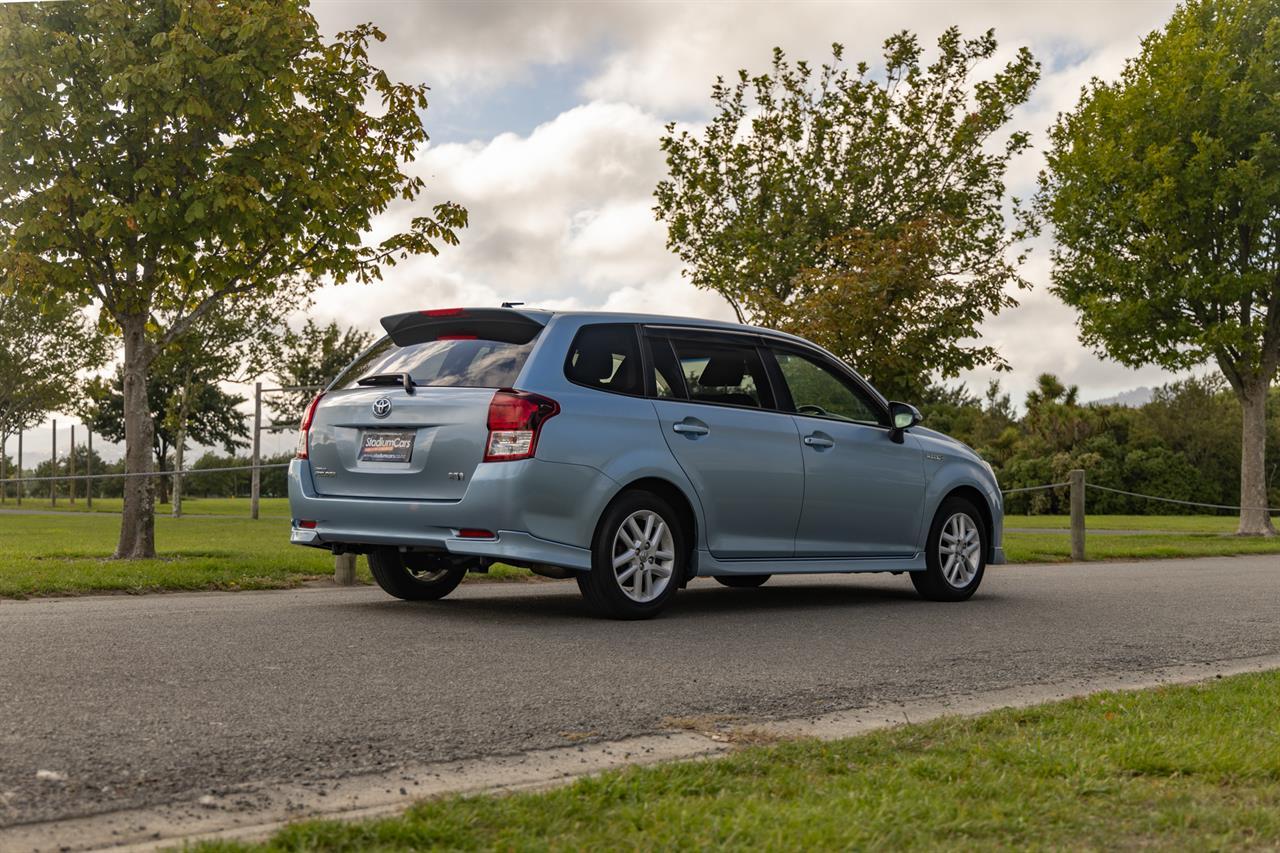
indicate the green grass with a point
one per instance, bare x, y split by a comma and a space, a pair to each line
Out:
220, 548
1179, 523
1193, 767
1056, 548
65, 554
267, 507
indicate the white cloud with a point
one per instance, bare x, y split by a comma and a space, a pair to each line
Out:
560, 218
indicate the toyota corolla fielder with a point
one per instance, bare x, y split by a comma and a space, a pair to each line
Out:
631, 453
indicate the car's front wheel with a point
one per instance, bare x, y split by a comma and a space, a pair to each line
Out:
415, 576
637, 559
955, 553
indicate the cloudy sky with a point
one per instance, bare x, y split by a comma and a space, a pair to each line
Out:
545, 119
545, 122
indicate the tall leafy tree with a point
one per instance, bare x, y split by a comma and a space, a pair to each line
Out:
864, 210
166, 158
1163, 190
42, 349
310, 357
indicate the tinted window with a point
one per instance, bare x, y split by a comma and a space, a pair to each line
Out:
816, 389
666, 370
723, 372
607, 357
461, 362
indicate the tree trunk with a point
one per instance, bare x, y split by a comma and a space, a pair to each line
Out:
1255, 520
138, 521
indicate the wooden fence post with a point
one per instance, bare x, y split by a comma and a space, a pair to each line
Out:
1077, 514
88, 470
53, 466
344, 569
255, 477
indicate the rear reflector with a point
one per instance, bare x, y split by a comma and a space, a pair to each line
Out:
475, 533
307, 524
515, 418
307, 417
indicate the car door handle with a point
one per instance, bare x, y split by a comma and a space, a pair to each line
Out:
819, 441
689, 428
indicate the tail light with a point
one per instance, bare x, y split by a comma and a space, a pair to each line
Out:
515, 417
308, 415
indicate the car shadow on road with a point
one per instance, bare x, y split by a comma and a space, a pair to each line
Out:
700, 600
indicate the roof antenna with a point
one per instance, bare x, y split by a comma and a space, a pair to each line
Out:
511, 304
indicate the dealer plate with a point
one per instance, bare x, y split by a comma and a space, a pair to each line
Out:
386, 445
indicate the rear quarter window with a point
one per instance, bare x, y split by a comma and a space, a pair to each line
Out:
606, 356
472, 363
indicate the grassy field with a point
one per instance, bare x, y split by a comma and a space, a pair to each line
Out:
1188, 768
62, 554
217, 547
1179, 523
267, 507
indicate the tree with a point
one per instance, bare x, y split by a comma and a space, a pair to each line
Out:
862, 210
208, 415
1163, 190
167, 159
42, 348
311, 357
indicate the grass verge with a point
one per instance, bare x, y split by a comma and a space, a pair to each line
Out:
218, 548
1056, 548
67, 554
1191, 767
1178, 523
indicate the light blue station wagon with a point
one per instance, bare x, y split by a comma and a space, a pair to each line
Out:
632, 453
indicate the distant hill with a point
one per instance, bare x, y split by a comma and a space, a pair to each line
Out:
1132, 399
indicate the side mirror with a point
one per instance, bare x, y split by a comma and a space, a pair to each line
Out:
904, 417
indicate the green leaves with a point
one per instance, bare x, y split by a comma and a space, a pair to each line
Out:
1163, 190
168, 156
806, 182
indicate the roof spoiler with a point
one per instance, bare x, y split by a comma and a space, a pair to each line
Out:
490, 324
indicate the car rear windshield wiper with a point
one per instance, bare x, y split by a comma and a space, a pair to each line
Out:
403, 379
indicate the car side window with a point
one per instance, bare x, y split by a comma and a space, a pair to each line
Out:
817, 390
667, 382
606, 356
723, 372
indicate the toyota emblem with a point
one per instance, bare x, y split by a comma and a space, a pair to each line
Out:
381, 407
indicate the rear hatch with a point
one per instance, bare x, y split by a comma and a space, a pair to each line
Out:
408, 419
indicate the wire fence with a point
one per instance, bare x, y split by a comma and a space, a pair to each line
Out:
1141, 496
115, 475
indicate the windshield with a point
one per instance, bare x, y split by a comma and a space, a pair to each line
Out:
469, 363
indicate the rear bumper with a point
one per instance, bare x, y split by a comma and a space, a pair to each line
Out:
997, 556
540, 512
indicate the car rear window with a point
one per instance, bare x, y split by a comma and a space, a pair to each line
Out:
471, 363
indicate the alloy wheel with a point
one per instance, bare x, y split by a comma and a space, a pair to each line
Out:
644, 555
959, 548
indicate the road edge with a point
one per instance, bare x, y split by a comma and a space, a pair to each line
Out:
253, 812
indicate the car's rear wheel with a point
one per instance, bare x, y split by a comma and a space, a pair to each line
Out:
415, 576
743, 581
955, 553
637, 559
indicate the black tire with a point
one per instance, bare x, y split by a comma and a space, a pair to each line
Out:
415, 576
934, 583
602, 588
742, 581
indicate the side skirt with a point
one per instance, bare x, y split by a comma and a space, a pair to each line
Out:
709, 566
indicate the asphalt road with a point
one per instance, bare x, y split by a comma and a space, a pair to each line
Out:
145, 700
